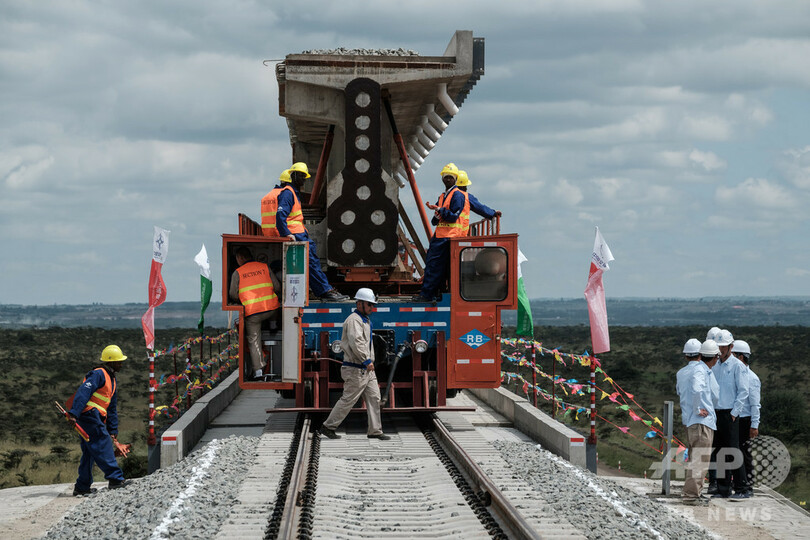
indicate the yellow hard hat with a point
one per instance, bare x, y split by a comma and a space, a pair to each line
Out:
463, 179
112, 353
285, 176
450, 170
299, 167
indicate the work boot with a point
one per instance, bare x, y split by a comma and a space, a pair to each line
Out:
712, 488
381, 436
326, 432
118, 484
333, 295
83, 493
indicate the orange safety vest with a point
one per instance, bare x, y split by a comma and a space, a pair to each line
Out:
103, 395
295, 219
461, 227
256, 288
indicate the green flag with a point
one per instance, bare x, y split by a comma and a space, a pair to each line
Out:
525, 326
205, 285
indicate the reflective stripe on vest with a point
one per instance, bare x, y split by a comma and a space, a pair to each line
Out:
295, 219
256, 288
461, 226
103, 395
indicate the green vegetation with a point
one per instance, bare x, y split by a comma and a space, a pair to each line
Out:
644, 360
41, 366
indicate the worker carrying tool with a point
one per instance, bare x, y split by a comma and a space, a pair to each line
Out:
255, 286
452, 219
357, 371
94, 408
282, 217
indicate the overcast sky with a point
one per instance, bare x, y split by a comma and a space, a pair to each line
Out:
681, 129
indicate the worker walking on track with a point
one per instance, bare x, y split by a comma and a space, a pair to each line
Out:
357, 370
94, 407
452, 220
255, 286
282, 217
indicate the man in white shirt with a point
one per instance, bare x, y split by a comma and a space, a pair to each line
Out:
691, 352
698, 394
749, 417
732, 377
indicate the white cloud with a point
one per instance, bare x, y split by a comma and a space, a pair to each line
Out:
756, 193
708, 160
567, 193
795, 166
797, 272
707, 128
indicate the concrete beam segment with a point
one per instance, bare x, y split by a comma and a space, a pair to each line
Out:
551, 434
178, 441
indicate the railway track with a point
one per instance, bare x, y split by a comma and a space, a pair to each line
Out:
420, 483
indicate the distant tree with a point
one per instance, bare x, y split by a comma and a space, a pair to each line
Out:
785, 416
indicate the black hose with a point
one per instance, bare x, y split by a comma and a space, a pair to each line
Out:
400, 353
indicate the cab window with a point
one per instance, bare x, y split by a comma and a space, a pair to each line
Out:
483, 274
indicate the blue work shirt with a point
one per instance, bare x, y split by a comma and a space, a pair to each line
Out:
450, 215
286, 200
93, 381
700, 391
752, 405
681, 378
733, 380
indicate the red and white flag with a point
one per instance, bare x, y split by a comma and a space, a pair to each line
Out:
157, 289
595, 295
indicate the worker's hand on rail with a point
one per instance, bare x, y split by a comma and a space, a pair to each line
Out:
498, 213
291, 237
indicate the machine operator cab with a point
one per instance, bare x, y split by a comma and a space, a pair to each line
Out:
269, 321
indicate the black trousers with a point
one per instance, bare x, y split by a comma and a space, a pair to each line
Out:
728, 437
748, 460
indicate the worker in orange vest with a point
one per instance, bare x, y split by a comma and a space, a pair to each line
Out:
94, 407
255, 286
282, 217
452, 220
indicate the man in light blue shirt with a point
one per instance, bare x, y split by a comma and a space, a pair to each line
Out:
749, 417
691, 352
732, 376
699, 393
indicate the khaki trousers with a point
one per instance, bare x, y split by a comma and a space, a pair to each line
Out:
253, 333
356, 383
699, 438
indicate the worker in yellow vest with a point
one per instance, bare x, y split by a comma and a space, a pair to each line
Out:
282, 217
255, 286
452, 220
94, 407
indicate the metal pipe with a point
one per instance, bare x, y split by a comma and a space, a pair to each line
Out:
327, 149
435, 119
400, 353
429, 130
403, 156
446, 100
424, 139
418, 147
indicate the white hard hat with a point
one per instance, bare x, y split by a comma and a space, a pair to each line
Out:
712, 333
365, 294
724, 338
741, 346
709, 348
692, 347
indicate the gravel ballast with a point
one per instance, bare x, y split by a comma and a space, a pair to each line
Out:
191, 499
600, 508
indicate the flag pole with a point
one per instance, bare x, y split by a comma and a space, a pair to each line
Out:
151, 440
534, 371
592, 438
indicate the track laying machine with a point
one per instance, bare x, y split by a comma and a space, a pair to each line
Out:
365, 120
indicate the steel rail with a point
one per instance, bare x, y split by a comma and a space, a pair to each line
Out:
288, 528
510, 516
